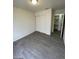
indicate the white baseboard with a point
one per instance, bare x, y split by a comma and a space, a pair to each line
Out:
21, 36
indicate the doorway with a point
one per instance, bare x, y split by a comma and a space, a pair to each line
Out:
57, 25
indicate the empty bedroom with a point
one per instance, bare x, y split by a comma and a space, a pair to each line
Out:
38, 29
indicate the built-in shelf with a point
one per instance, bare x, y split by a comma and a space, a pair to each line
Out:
56, 21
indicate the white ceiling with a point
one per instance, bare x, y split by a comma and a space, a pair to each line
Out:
42, 4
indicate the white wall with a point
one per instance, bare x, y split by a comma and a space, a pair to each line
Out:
23, 23
43, 21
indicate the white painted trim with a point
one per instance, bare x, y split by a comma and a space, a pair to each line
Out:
23, 36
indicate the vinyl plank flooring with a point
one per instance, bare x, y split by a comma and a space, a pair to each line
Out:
39, 46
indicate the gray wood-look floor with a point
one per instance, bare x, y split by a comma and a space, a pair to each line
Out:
39, 46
